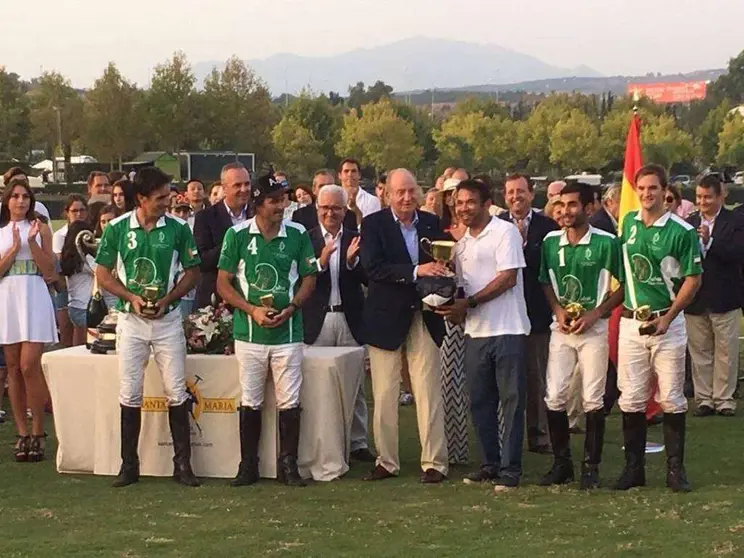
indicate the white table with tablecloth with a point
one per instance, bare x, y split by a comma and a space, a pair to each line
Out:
85, 387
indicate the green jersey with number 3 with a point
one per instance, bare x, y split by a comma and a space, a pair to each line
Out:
657, 259
146, 259
267, 268
582, 273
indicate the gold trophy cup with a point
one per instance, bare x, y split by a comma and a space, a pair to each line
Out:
440, 250
267, 301
150, 295
574, 310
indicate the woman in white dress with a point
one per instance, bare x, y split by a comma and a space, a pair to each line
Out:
27, 317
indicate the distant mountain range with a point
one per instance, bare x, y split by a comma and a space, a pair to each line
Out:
410, 64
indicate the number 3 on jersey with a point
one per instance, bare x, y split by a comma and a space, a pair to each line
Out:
252, 248
131, 240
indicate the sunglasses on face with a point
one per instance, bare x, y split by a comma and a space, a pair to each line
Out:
670, 199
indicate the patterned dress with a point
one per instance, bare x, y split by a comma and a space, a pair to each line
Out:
454, 393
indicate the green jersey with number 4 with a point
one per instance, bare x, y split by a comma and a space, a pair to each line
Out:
267, 268
146, 259
582, 273
657, 259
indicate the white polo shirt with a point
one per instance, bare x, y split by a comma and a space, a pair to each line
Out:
367, 203
478, 260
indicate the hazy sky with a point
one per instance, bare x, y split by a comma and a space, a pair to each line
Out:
79, 37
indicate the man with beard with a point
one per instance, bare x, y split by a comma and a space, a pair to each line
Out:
271, 261
489, 262
578, 264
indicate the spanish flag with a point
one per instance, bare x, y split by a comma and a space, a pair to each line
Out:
628, 202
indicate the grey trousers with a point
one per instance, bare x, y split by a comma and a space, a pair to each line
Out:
536, 367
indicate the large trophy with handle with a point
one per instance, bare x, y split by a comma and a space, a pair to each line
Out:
438, 291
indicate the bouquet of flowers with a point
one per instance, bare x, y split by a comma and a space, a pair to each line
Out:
209, 331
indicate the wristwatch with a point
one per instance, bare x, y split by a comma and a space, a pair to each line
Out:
472, 303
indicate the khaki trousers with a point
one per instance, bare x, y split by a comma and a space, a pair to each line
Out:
713, 340
424, 365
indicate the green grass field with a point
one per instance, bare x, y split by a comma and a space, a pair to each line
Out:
46, 514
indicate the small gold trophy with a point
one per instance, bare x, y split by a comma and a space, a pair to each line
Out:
267, 301
643, 314
150, 294
440, 250
574, 310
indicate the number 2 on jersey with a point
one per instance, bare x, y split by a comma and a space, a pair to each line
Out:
633, 233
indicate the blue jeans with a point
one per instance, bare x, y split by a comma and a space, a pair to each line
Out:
495, 371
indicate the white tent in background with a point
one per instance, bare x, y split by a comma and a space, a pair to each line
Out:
48, 165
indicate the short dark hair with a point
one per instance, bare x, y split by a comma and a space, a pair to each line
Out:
95, 174
486, 179
349, 160
520, 176
148, 180
586, 192
713, 181
652, 170
382, 179
476, 186
196, 180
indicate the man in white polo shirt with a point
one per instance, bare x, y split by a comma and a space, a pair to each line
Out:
489, 260
361, 203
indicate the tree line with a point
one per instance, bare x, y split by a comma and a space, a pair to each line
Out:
233, 110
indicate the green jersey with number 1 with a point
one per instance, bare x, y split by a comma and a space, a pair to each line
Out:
657, 259
267, 268
582, 273
146, 259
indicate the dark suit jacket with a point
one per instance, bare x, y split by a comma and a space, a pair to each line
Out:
210, 226
723, 285
602, 221
392, 298
308, 217
538, 309
349, 283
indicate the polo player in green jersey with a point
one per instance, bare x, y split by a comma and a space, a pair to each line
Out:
661, 273
266, 272
577, 267
146, 247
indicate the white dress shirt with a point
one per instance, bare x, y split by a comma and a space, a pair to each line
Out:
240, 218
333, 264
709, 223
367, 203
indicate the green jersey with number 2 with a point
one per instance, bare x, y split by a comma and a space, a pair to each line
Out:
656, 259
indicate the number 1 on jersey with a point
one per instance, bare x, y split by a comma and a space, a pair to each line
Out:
561, 257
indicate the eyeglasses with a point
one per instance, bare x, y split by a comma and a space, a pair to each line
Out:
327, 208
670, 199
81, 210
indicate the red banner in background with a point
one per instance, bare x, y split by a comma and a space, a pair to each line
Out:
680, 92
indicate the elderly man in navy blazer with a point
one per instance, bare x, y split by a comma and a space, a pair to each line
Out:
393, 318
332, 316
714, 316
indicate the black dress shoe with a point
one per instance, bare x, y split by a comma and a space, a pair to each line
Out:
378, 473
364, 455
727, 413
432, 476
703, 411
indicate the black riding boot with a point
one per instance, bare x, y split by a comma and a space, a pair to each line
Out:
674, 440
250, 433
131, 421
593, 442
289, 440
634, 433
178, 417
562, 470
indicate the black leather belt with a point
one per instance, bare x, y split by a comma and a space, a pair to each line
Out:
337, 308
627, 313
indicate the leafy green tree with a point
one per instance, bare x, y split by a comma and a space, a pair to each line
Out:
321, 118
665, 144
487, 107
535, 140
731, 141
731, 84
172, 105
710, 129
15, 123
297, 151
379, 138
359, 97
574, 143
238, 112
113, 127
423, 127
53, 99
